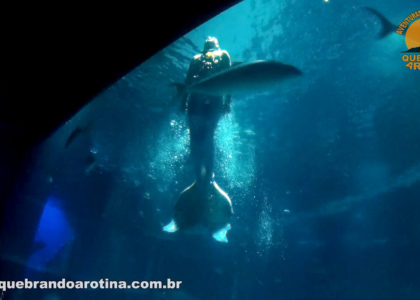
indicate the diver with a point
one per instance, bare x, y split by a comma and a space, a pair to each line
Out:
204, 202
204, 111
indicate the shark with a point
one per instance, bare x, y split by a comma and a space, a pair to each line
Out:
242, 79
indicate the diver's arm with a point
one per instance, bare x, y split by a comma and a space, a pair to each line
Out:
226, 63
188, 80
193, 69
226, 105
184, 101
190, 73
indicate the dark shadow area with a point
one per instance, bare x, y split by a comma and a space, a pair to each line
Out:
54, 60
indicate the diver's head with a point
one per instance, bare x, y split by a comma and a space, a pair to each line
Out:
211, 44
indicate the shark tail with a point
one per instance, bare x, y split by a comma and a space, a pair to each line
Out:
387, 26
208, 206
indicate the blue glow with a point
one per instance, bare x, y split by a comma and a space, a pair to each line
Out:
171, 227
53, 233
220, 235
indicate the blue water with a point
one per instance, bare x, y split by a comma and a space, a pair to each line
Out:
323, 173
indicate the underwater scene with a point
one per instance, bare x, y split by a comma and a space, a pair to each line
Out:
311, 167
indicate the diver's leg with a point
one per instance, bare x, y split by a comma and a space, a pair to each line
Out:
203, 202
202, 145
207, 152
196, 136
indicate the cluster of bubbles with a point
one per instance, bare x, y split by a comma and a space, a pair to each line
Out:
169, 153
265, 228
235, 154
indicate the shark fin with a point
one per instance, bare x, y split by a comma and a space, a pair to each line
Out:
170, 227
220, 235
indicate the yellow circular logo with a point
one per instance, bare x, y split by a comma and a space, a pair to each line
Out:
412, 36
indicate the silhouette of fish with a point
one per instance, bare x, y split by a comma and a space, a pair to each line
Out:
75, 134
387, 26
